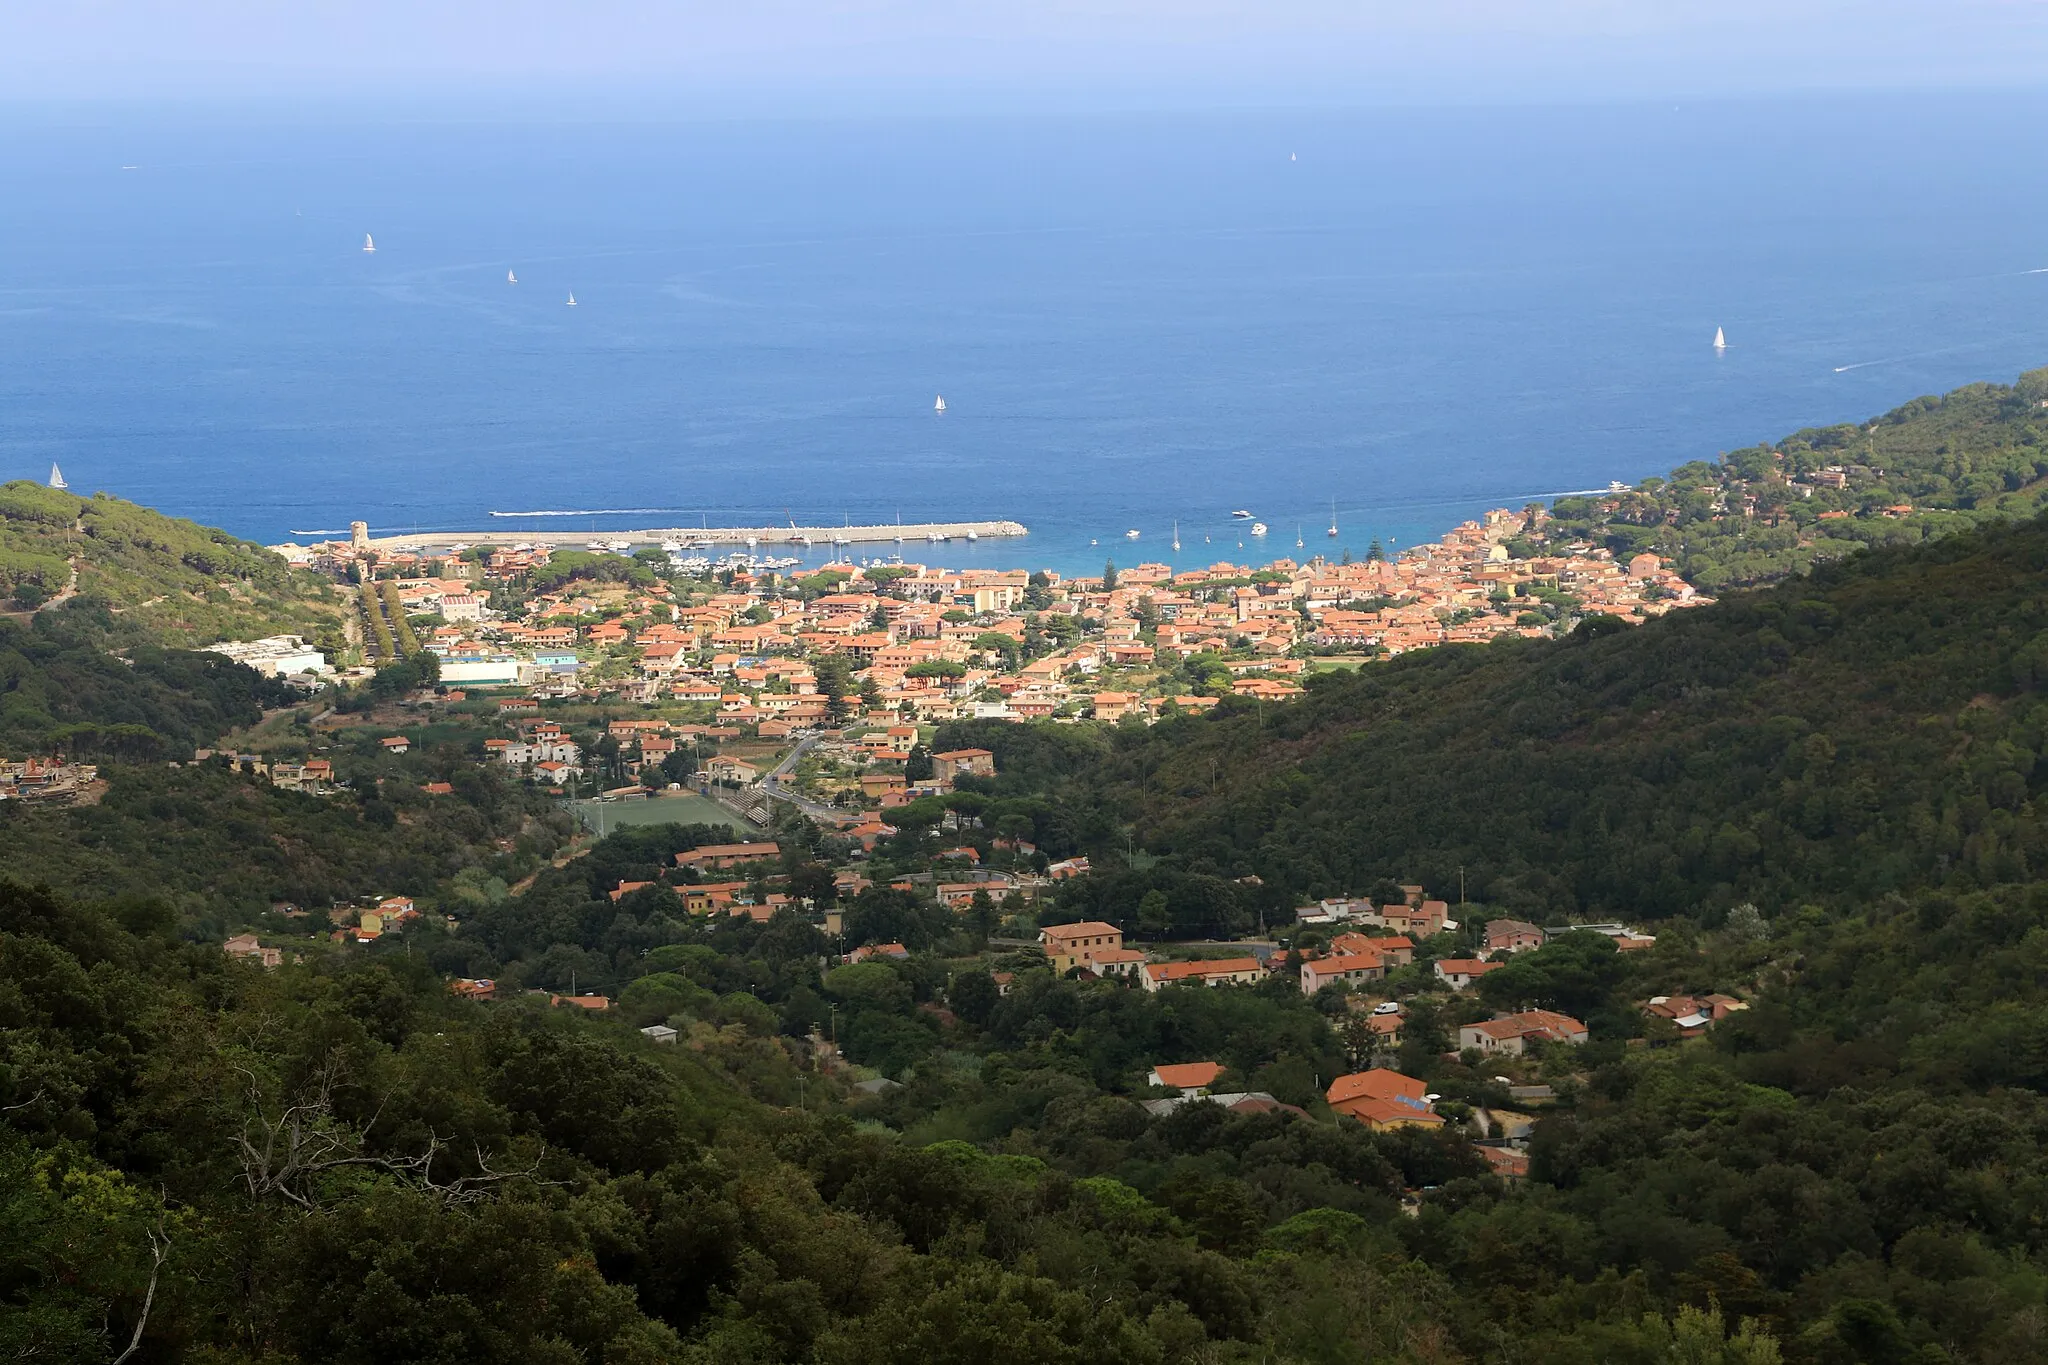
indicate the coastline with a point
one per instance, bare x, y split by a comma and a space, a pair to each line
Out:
928, 532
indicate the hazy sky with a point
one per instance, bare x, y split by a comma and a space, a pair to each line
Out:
1009, 52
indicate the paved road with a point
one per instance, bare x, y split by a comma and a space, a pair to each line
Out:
772, 784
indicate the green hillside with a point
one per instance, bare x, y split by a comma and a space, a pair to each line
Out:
1928, 468
163, 580
1873, 728
1819, 796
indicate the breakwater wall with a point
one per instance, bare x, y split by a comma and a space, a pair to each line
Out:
734, 536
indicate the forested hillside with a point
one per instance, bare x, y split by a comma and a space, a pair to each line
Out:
1871, 729
1820, 797
1929, 468
63, 689
164, 581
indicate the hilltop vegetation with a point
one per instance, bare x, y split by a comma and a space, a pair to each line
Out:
1931, 467
165, 581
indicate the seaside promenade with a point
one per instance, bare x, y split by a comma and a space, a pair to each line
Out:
907, 532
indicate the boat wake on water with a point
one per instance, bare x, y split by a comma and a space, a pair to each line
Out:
598, 512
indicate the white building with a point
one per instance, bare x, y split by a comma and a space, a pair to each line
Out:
280, 655
497, 669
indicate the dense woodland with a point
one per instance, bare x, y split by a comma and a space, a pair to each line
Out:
1819, 796
1871, 729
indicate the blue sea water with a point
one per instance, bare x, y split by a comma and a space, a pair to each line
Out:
1135, 319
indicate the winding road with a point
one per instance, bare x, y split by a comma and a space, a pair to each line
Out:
772, 784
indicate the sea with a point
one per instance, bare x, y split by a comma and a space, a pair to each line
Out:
1381, 320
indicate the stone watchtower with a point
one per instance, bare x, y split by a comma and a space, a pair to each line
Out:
359, 535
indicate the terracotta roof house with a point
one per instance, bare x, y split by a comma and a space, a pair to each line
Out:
1185, 1075
1228, 971
1379, 1083
1511, 936
1506, 1163
1693, 1014
1397, 950
958, 763
1073, 945
1341, 967
1510, 1035
1383, 1100
1460, 972
721, 856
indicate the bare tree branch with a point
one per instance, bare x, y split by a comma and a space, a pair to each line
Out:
282, 1155
159, 1247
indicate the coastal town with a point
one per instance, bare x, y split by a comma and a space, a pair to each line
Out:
929, 644
805, 712
830, 733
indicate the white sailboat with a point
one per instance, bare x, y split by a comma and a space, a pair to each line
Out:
511, 278
369, 242
939, 405
572, 298
1720, 340
1176, 537
57, 477
1333, 517
1298, 541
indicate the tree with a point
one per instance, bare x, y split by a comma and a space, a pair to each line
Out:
1109, 576
1574, 973
973, 996
679, 764
1007, 647
982, 916
835, 682
1154, 920
812, 881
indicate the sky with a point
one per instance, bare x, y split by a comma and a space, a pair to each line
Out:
751, 55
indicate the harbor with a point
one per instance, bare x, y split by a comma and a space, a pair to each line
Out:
699, 537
